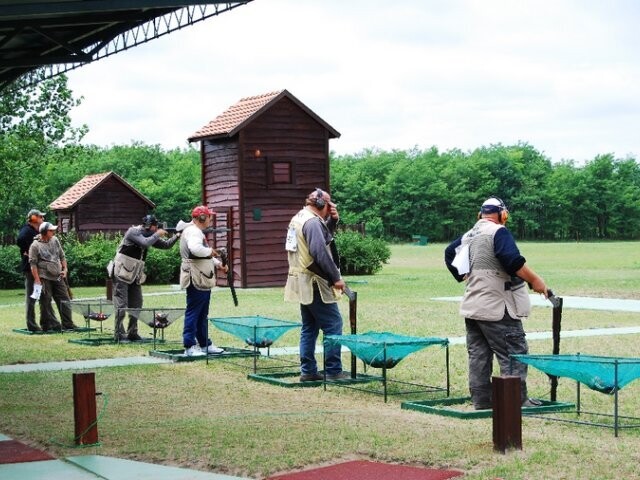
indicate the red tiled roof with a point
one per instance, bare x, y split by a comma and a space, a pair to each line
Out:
85, 185
237, 116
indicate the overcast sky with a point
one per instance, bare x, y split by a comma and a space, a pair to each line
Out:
562, 75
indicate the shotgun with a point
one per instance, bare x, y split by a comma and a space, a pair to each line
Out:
224, 258
555, 331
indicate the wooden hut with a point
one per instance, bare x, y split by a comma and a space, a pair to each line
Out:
260, 159
103, 202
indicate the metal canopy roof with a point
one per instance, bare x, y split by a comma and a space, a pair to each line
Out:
60, 35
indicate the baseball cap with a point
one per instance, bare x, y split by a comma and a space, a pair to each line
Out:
47, 226
35, 212
492, 205
201, 210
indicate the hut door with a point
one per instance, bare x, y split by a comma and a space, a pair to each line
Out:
222, 237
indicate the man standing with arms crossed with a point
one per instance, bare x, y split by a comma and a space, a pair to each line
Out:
49, 270
313, 280
495, 299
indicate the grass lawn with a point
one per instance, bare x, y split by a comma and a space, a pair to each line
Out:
210, 417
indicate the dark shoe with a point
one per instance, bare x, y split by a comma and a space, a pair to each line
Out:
73, 326
121, 339
34, 329
311, 377
339, 376
532, 402
55, 328
134, 337
483, 406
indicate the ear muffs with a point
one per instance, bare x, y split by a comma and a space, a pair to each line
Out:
33, 218
319, 200
504, 215
202, 218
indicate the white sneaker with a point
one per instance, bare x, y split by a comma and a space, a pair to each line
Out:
212, 349
194, 351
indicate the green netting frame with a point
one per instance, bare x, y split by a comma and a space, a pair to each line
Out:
96, 310
383, 349
159, 318
602, 374
256, 331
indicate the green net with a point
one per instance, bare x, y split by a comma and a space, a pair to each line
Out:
97, 310
603, 374
383, 349
254, 330
155, 317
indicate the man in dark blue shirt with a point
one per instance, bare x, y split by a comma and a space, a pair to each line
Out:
25, 238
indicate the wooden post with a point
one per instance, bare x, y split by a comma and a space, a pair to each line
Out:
109, 289
84, 408
353, 323
507, 413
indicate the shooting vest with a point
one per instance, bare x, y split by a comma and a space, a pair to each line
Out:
490, 289
128, 264
199, 271
300, 280
47, 257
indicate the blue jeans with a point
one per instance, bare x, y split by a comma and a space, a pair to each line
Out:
315, 317
196, 318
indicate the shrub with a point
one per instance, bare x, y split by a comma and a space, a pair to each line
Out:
163, 266
10, 275
88, 260
361, 255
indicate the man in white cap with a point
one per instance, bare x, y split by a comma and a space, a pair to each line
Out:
49, 269
495, 299
25, 238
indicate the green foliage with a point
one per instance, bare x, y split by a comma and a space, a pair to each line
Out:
361, 255
438, 194
10, 275
34, 124
163, 266
88, 260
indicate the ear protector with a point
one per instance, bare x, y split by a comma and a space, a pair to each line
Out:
319, 200
33, 218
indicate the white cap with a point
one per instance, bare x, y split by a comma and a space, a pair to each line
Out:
492, 205
47, 226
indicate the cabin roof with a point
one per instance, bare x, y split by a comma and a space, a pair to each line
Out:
247, 109
70, 198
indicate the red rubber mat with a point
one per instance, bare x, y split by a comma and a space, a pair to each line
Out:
12, 451
364, 470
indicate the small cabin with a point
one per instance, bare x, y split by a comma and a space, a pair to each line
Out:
260, 159
103, 202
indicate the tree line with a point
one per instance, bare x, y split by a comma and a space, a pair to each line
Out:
398, 193
438, 194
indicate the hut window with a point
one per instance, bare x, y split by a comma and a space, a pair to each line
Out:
281, 173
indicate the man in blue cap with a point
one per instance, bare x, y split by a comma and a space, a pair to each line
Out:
25, 238
495, 300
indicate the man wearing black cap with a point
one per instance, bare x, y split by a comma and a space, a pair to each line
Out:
49, 269
25, 238
128, 272
495, 299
